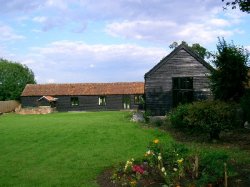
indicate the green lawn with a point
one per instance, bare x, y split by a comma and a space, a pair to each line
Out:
67, 149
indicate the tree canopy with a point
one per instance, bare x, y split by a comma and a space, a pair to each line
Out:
13, 78
244, 5
200, 50
229, 78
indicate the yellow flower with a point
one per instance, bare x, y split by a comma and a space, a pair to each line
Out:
156, 141
128, 164
180, 160
133, 183
148, 153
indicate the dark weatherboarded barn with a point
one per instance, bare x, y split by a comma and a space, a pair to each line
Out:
84, 96
180, 77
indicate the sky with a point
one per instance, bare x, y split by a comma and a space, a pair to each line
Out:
78, 41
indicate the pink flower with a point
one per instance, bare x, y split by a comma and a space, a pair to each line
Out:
138, 169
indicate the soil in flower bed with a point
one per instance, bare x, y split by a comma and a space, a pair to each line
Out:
104, 180
243, 181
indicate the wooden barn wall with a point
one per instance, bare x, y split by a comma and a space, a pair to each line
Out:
86, 103
30, 101
158, 85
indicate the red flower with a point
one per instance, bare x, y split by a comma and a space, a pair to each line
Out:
138, 169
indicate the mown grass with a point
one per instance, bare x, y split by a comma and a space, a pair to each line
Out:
67, 149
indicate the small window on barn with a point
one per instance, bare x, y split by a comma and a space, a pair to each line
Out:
183, 83
102, 100
126, 101
74, 101
138, 99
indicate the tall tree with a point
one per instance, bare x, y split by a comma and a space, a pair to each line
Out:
200, 50
244, 5
13, 78
230, 75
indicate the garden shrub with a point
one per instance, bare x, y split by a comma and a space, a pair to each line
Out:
206, 116
177, 116
147, 115
245, 103
212, 168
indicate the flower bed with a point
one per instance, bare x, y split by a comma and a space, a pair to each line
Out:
173, 166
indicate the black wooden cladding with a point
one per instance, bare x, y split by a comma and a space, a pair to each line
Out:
182, 62
85, 103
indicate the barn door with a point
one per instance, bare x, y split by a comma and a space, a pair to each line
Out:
126, 102
182, 90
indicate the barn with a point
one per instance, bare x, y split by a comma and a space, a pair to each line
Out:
84, 96
180, 77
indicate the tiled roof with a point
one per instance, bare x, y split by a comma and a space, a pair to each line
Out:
84, 89
48, 98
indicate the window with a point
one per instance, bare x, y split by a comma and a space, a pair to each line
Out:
102, 100
182, 90
138, 99
183, 83
74, 101
126, 101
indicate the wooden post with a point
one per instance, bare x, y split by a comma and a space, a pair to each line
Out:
225, 170
196, 165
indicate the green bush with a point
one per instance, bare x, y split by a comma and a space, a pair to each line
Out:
207, 116
146, 116
177, 116
245, 103
212, 168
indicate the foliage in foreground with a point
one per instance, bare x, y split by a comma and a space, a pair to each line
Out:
205, 116
245, 104
13, 79
172, 166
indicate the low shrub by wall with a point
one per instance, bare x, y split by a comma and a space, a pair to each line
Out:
8, 106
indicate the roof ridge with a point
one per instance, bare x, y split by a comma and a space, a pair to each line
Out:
87, 83
118, 88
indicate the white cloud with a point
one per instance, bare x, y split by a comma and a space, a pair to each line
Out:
168, 31
19, 5
202, 33
61, 13
218, 22
61, 4
50, 80
67, 61
36, 30
141, 29
40, 19
8, 34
